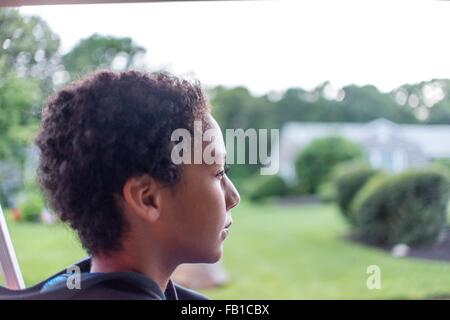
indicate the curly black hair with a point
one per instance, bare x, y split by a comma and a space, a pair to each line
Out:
103, 129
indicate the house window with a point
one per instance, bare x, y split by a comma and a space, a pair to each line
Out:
387, 160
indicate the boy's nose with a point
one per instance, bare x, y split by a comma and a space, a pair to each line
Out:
232, 196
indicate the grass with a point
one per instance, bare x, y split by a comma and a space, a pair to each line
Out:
42, 249
272, 253
300, 253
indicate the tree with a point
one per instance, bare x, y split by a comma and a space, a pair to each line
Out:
98, 52
428, 100
237, 108
354, 104
28, 52
28, 58
316, 161
28, 47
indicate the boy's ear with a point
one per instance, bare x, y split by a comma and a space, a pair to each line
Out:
142, 197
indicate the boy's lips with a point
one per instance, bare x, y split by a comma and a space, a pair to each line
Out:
225, 230
228, 224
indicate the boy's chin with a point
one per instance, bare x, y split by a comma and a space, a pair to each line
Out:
211, 257
202, 254
217, 256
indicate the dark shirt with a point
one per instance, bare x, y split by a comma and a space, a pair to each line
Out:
102, 286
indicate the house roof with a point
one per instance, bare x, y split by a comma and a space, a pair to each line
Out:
434, 140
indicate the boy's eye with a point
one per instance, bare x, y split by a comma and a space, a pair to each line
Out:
223, 172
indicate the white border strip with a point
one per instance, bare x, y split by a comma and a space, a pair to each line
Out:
8, 260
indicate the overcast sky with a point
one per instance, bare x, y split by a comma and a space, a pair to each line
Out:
272, 45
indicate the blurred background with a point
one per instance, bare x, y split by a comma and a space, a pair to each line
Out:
359, 90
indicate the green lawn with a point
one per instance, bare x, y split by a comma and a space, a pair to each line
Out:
272, 253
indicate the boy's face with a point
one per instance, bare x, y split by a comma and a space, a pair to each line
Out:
197, 211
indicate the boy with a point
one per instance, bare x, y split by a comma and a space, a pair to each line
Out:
106, 169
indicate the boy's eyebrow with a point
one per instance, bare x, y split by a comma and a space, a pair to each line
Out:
221, 152
222, 156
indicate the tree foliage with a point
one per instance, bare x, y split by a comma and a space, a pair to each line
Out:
317, 160
98, 52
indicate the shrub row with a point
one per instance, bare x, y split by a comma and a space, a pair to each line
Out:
409, 208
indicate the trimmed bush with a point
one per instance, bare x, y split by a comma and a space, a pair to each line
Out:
327, 192
409, 208
442, 164
347, 184
440, 167
267, 186
315, 163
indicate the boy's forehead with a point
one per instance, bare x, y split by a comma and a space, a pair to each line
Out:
214, 142
212, 137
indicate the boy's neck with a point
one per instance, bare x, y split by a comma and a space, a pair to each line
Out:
121, 262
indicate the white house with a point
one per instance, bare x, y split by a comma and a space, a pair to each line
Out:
388, 146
